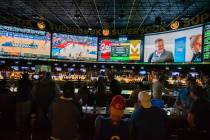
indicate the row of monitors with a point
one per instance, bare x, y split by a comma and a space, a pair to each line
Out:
186, 45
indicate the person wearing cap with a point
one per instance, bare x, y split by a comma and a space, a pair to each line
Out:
148, 122
113, 127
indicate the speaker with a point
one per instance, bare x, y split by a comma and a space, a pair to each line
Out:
158, 20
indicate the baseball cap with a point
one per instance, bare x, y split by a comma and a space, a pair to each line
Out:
145, 99
118, 105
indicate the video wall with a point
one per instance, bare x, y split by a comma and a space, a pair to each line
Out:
120, 50
206, 48
25, 43
74, 47
178, 46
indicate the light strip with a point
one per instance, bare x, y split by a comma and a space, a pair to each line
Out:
98, 13
130, 13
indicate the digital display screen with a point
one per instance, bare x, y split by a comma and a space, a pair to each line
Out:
70, 69
142, 72
127, 92
24, 43
15, 68
194, 74
25, 68
42, 68
83, 70
175, 73
206, 48
36, 77
58, 68
120, 50
74, 47
177, 46
33, 68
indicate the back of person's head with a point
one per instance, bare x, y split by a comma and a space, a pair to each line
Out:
196, 91
48, 75
144, 98
3, 83
191, 81
117, 107
68, 90
25, 76
134, 96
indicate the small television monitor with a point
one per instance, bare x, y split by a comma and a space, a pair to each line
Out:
58, 69
194, 74
36, 77
70, 69
142, 72
15, 68
42, 68
76, 90
25, 68
175, 73
83, 70
33, 68
127, 92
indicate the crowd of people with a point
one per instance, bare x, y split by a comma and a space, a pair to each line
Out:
63, 110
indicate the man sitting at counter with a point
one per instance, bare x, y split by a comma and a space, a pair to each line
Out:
149, 122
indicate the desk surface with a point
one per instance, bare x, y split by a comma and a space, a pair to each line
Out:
171, 112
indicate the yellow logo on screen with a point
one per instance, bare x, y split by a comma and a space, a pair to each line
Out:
135, 49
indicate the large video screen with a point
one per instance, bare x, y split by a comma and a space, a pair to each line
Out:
120, 50
74, 47
24, 43
206, 48
178, 46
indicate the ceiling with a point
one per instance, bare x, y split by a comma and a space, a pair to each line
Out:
102, 13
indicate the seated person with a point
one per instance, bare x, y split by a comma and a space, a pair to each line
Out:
66, 115
149, 123
199, 115
114, 127
133, 99
183, 100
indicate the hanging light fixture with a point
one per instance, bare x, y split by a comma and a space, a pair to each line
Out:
106, 32
41, 25
175, 25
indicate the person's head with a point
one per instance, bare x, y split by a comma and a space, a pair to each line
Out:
144, 98
25, 76
117, 108
47, 75
134, 96
191, 81
68, 90
3, 84
196, 43
196, 92
159, 45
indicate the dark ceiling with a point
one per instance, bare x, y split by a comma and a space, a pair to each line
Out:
101, 13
